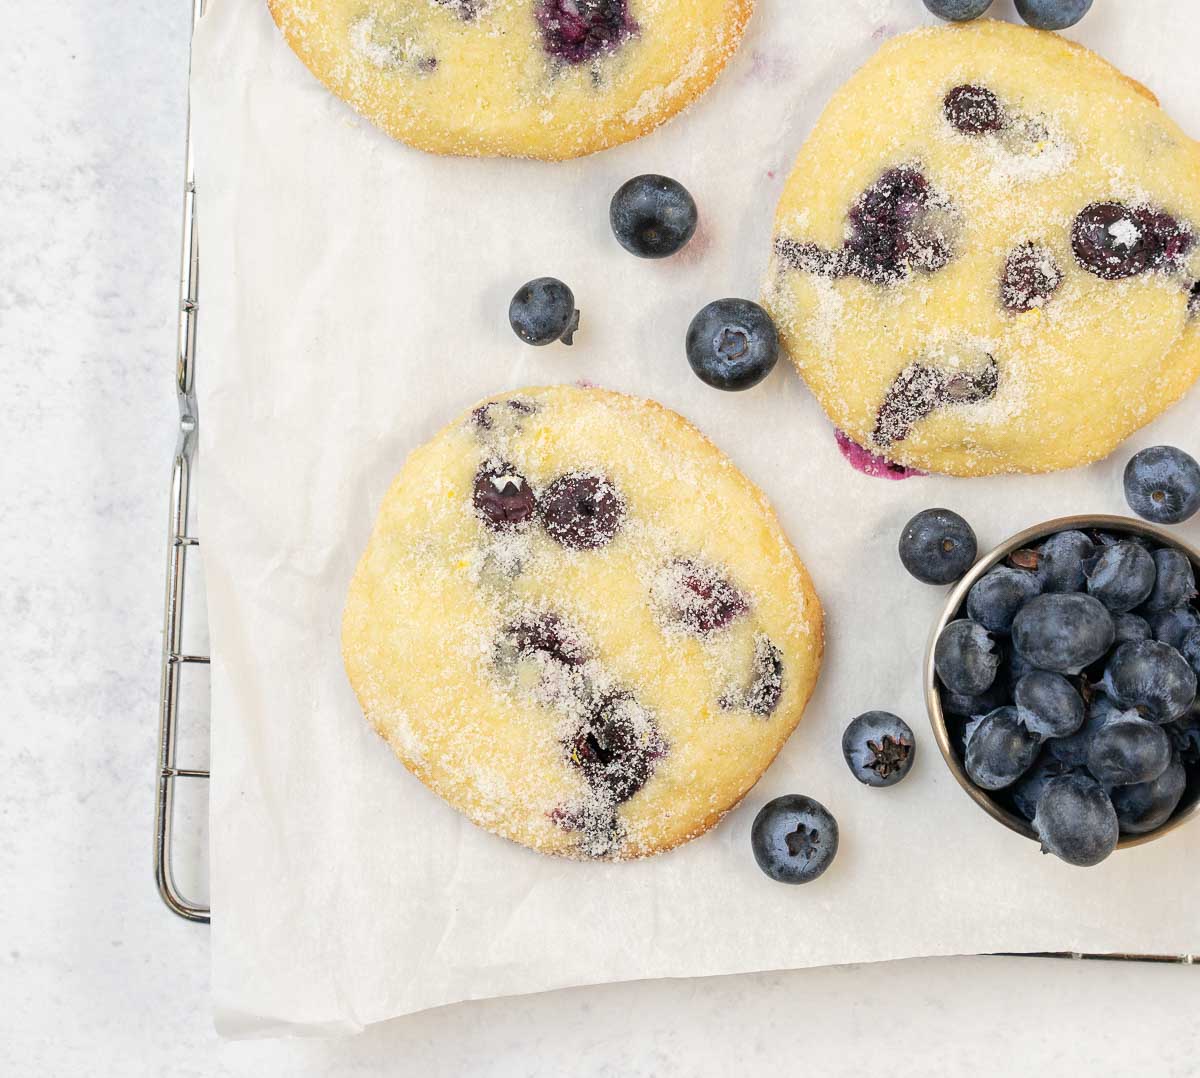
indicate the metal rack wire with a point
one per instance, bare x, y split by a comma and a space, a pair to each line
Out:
180, 543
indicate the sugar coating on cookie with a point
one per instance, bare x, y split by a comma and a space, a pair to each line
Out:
985, 259
580, 624
548, 79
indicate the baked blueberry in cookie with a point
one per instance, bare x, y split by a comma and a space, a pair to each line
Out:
1115, 241
975, 275
541, 635
897, 225
567, 639
698, 597
501, 496
582, 511
577, 31
919, 390
548, 79
1031, 277
973, 110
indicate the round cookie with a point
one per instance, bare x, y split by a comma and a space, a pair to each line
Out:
549, 79
580, 624
985, 259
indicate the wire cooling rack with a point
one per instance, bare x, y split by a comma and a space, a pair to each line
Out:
180, 543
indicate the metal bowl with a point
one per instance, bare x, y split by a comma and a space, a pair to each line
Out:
1189, 807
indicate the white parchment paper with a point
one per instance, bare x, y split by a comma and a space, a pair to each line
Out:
354, 299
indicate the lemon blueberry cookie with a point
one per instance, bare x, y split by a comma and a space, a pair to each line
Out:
985, 259
580, 624
548, 79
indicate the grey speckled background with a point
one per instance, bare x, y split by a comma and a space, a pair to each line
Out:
95, 976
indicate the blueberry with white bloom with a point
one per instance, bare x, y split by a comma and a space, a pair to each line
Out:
1146, 806
1000, 748
1122, 577
1129, 750
1174, 581
1061, 561
1076, 820
1162, 484
1152, 677
995, 598
937, 546
1063, 632
1130, 627
965, 658
958, 10
1171, 626
1054, 707
1052, 14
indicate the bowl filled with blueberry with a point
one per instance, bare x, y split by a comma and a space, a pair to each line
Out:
1061, 677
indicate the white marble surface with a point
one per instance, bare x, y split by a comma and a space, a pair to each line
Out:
95, 976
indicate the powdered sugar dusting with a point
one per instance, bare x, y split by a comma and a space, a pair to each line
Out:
983, 190
529, 78
589, 698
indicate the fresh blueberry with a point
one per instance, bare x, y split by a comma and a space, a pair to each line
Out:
1072, 752
1129, 750
1162, 484
879, 748
1064, 633
501, 496
965, 658
1054, 708
1052, 14
1130, 627
1107, 539
653, 216
958, 10
794, 839
1189, 648
937, 546
995, 598
1076, 820
617, 748
1016, 666
1172, 626
1146, 806
582, 511
1031, 277
971, 707
579, 31
1000, 748
1174, 583
1185, 736
1028, 788
1152, 677
1122, 577
973, 110
732, 344
543, 311
1061, 561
